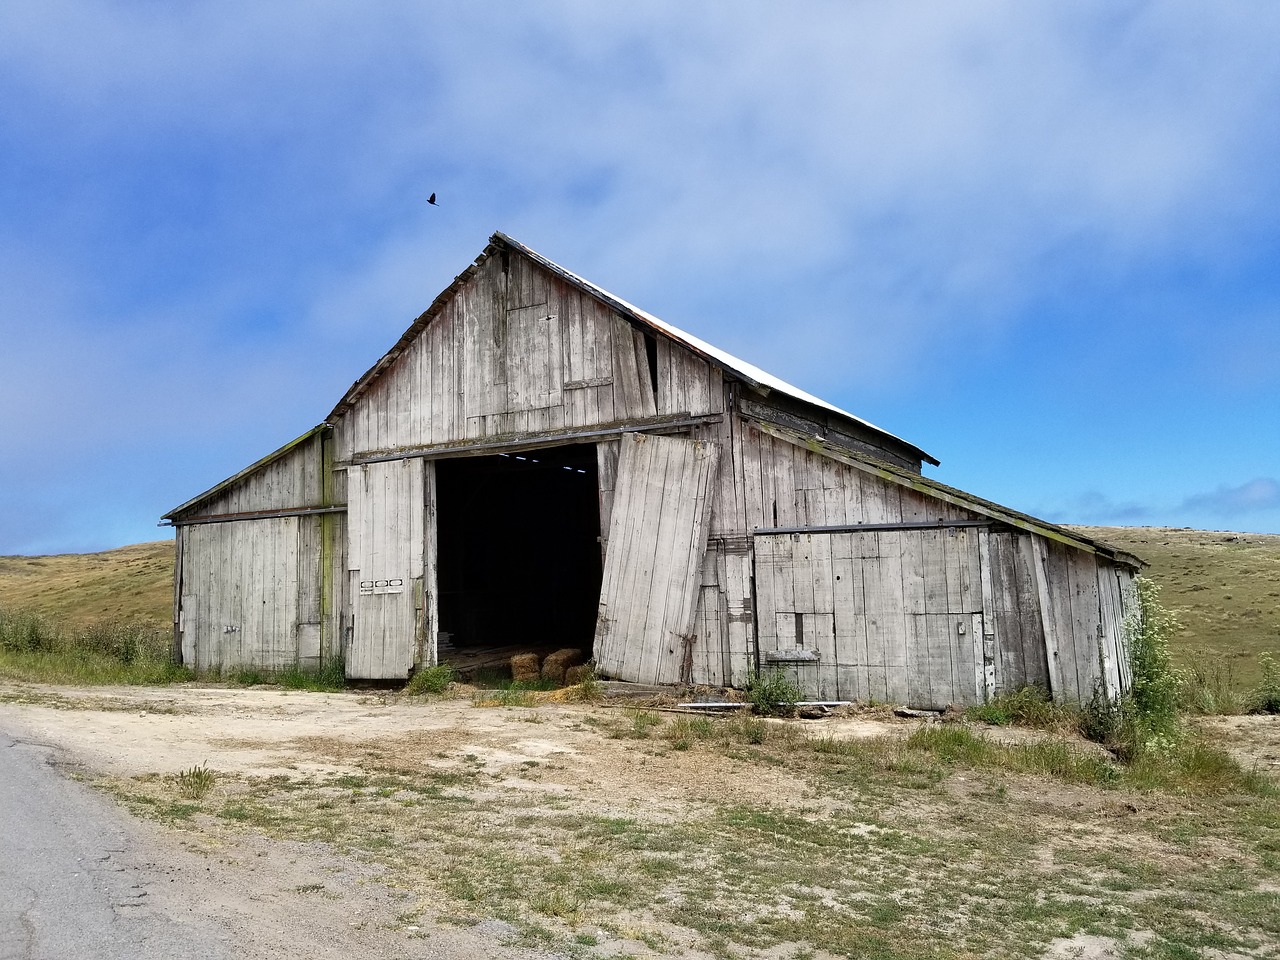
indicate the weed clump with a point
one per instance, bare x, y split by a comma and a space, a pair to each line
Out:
430, 680
1026, 707
196, 782
686, 730
1147, 719
1209, 688
772, 695
1266, 697
587, 690
330, 678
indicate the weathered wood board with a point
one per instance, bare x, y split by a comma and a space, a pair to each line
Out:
386, 514
657, 538
240, 594
519, 351
887, 615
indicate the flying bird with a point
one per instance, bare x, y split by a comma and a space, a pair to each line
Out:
432, 200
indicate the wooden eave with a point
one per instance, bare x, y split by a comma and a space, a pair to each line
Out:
960, 498
362, 385
254, 467
634, 316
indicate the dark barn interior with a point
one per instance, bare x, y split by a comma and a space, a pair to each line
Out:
518, 553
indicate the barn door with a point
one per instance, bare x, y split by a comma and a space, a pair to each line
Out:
891, 615
386, 512
657, 535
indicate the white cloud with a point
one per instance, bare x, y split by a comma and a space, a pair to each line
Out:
1246, 500
835, 192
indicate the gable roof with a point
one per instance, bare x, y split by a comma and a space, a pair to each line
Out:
748, 373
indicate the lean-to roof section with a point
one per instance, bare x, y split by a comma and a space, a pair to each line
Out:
747, 372
253, 468
940, 491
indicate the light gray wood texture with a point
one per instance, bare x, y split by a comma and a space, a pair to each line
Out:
386, 515
657, 537
891, 616
515, 353
292, 477
245, 601
518, 351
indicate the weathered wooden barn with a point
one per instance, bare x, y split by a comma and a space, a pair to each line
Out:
537, 463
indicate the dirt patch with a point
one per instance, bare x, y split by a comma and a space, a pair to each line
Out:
1254, 741
584, 751
612, 829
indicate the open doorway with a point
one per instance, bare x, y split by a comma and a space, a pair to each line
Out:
518, 554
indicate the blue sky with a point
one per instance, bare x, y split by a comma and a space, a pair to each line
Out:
1041, 241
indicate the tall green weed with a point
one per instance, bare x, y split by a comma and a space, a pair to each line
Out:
1266, 697
38, 649
772, 695
1147, 718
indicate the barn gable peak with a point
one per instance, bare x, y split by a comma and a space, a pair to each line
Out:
753, 376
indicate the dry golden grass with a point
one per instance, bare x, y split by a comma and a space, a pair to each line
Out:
1224, 588
130, 584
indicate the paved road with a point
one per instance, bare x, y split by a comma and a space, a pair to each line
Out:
74, 882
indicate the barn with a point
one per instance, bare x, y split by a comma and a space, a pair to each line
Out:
538, 464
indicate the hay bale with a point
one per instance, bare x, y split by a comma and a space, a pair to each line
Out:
575, 675
525, 667
557, 663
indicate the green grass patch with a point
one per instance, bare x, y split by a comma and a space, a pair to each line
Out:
331, 677
1027, 707
195, 782
430, 680
36, 649
772, 694
1265, 698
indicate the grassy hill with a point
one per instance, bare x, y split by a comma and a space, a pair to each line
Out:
1224, 587
130, 584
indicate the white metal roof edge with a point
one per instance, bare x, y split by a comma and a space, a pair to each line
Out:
747, 371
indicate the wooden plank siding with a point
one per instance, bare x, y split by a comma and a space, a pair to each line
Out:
247, 589
657, 539
386, 518
924, 617
292, 480
886, 615
518, 351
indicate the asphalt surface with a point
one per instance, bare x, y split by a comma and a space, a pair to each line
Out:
75, 879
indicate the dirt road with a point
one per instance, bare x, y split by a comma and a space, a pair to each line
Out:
217, 893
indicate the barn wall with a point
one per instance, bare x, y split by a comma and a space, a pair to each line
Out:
767, 482
251, 594
294, 479
926, 617
519, 351
1086, 600
1012, 604
261, 593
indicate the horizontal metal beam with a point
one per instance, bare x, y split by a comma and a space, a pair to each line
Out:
253, 515
441, 451
873, 527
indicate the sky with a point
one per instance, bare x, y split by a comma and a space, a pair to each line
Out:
1039, 240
